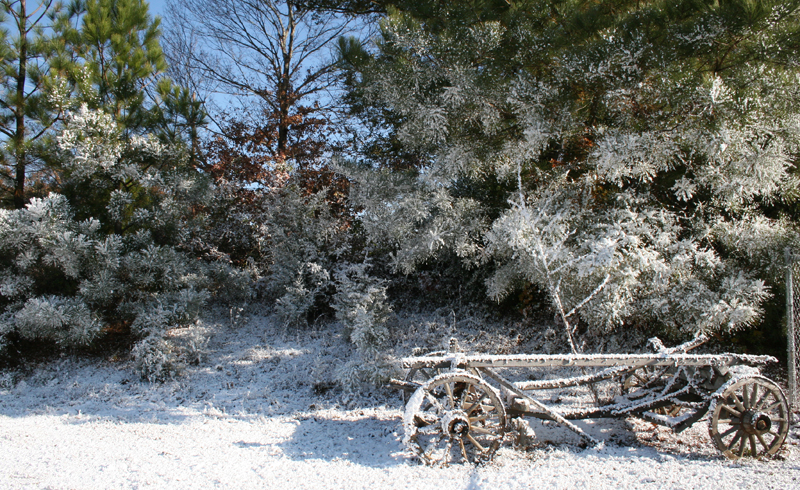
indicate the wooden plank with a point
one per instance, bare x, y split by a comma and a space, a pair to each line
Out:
585, 360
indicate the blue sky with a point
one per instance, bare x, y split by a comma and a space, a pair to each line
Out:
157, 7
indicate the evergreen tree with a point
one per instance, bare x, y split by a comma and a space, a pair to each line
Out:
118, 66
26, 48
624, 157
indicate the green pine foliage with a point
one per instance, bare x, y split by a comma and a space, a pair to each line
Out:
28, 108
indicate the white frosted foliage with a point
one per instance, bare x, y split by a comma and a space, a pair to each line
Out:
66, 281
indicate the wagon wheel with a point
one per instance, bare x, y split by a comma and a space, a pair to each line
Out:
751, 418
420, 375
646, 377
455, 417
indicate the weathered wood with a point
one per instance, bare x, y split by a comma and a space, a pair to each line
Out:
548, 384
552, 415
678, 391
585, 360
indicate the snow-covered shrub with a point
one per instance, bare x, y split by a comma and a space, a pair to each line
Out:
195, 348
615, 264
65, 281
299, 241
66, 275
361, 306
299, 298
154, 358
363, 373
608, 171
65, 320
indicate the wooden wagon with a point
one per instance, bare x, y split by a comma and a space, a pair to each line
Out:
462, 409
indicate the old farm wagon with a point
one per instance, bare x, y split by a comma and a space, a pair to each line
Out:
462, 407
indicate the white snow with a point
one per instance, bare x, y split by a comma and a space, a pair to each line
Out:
256, 414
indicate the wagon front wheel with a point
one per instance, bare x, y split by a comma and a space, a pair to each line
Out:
751, 418
454, 417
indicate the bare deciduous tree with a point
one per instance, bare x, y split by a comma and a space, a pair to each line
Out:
274, 50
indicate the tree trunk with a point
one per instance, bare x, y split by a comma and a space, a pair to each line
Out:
19, 111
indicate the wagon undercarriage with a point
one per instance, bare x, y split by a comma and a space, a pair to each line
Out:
462, 408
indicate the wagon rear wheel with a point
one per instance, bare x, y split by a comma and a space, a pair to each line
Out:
455, 417
751, 418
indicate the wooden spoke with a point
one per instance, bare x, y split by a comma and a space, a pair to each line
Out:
742, 446
449, 390
476, 405
463, 450
734, 441
447, 456
430, 429
481, 430
436, 403
465, 395
760, 404
739, 405
731, 410
774, 406
762, 441
476, 443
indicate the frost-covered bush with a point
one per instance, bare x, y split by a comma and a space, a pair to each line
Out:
154, 358
363, 373
65, 275
299, 241
301, 296
622, 169
622, 263
361, 306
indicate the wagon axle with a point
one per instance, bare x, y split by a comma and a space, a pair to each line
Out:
456, 423
756, 422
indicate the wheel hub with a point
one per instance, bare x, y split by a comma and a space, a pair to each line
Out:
756, 422
455, 424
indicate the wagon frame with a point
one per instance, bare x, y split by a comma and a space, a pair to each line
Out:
462, 409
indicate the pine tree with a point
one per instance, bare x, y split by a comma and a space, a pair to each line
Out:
118, 66
646, 132
26, 114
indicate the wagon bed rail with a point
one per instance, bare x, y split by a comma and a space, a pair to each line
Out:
583, 360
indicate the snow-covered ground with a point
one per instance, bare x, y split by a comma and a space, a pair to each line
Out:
259, 412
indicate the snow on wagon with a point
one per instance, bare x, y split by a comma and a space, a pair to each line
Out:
461, 408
